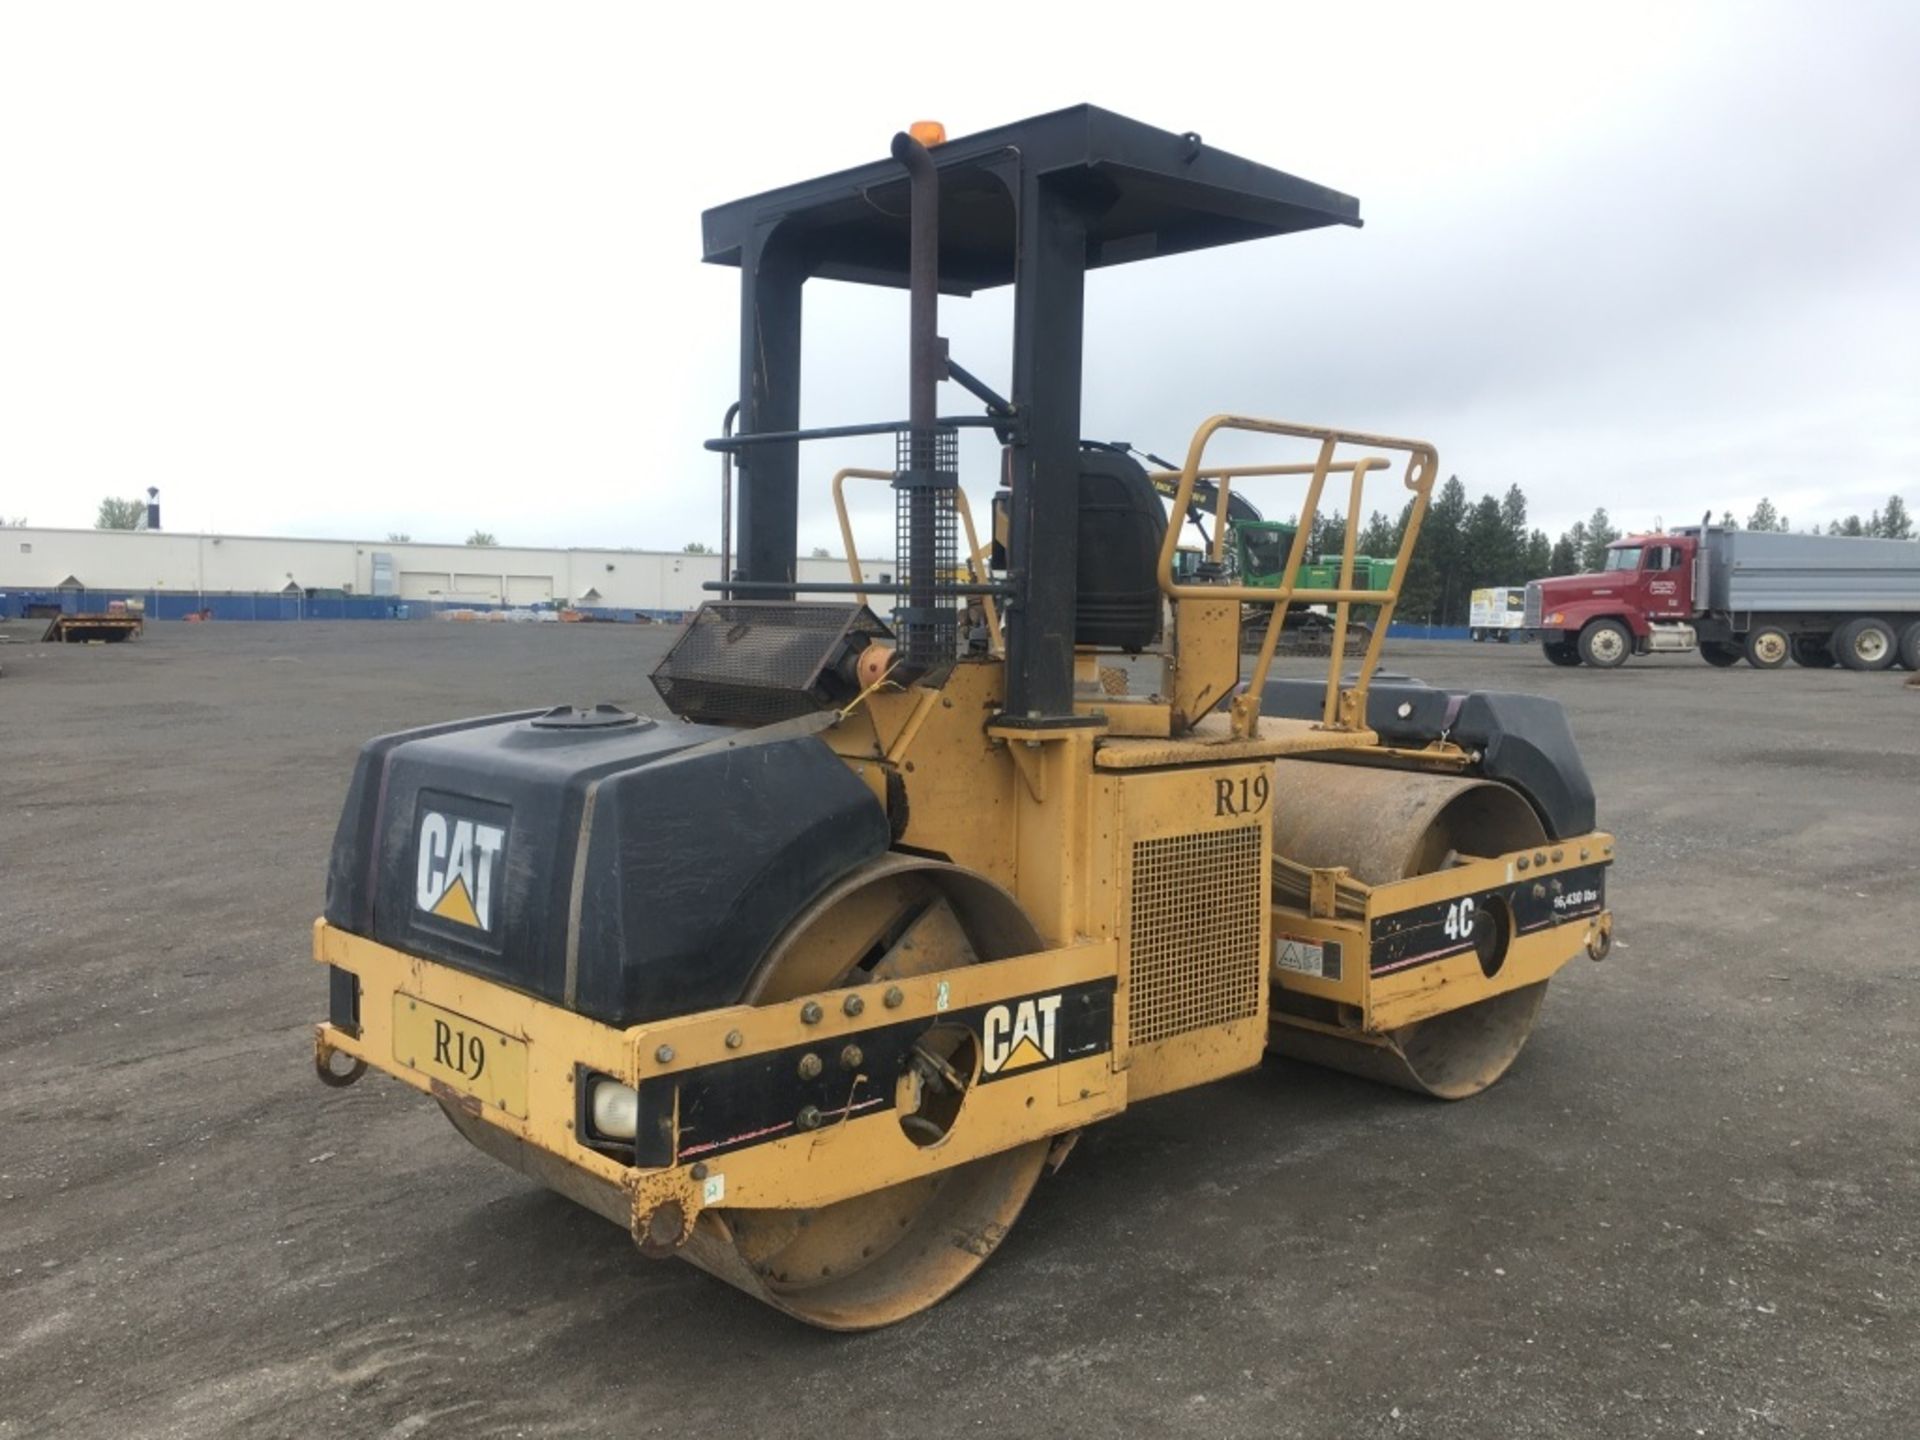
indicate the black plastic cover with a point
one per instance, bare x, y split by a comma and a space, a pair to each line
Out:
1523, 740
754, 662
1122, 522
629, 872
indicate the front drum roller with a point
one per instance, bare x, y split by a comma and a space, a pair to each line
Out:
1387, 825
876, 1258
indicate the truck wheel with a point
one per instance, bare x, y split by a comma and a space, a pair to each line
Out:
1719, 655
1606, 644
1865, 644
1910, 646
1812, 651
1767, 647
1560, 652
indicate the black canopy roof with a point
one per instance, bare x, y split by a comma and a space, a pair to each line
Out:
1146, 192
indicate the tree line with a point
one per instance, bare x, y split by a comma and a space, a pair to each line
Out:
1466, 545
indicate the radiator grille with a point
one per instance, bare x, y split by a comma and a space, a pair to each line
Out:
1196, 932
1530, 614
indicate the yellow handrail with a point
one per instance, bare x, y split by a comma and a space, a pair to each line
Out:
976, 553
1345, 706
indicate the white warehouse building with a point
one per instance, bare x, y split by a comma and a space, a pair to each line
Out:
145, 561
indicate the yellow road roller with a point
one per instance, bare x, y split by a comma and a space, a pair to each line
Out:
808, 978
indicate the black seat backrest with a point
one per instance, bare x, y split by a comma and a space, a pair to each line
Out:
1122, 524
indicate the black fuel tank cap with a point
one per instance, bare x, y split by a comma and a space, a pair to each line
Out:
600, 717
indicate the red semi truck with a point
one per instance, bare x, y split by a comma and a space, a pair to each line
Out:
1760, 596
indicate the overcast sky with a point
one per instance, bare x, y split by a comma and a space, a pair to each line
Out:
346, 269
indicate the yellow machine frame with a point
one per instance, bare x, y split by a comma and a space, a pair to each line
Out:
1139, 843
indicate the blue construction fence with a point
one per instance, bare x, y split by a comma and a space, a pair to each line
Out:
1414, 630
268, 605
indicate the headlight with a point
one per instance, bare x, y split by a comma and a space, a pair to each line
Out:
615, 1109
1555, 618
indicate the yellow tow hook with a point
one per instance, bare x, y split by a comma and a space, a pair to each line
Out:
323, 1054
1600, 938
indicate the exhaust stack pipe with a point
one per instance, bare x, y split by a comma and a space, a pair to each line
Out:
1702, 558
926, 352
927, 457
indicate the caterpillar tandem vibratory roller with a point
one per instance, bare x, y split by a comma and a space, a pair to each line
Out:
810, 981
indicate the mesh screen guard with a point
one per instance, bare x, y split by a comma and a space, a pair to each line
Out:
926, 475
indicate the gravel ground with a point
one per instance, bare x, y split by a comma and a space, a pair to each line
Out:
1690, 1210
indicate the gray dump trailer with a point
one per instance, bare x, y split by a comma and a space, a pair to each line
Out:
1763, 597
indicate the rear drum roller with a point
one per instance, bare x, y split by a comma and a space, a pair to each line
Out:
1387, 825
880, 1257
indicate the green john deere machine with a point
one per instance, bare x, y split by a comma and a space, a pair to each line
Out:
1260, 552
1257, 556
